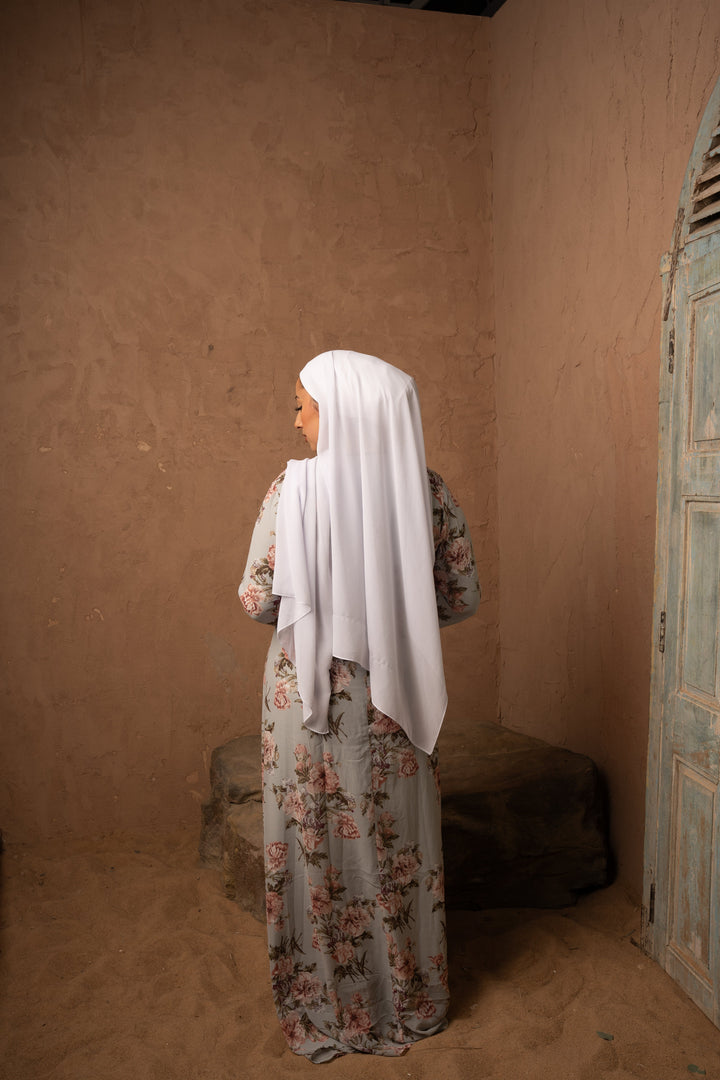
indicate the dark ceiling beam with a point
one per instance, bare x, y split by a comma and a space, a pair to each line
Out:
483, 8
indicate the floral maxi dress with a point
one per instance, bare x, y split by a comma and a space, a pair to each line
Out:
353, 857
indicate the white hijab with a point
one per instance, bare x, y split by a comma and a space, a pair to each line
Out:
354, 548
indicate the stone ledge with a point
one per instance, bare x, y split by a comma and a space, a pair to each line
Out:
524, 823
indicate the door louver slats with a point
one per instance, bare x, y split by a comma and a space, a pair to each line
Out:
706, 191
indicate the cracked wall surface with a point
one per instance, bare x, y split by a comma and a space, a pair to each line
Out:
197, 199
595, 108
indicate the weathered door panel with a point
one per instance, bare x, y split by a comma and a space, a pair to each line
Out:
692, 927
682, 899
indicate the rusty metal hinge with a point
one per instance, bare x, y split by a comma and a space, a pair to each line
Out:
671, 351
661, 636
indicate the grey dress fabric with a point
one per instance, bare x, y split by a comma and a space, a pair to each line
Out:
353, 857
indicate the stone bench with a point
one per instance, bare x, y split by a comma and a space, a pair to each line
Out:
524, 823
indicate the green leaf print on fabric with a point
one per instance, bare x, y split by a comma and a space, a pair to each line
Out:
340, 928
314, 802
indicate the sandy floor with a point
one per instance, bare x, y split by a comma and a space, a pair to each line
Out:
122, 960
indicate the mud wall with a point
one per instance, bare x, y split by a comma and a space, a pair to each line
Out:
198, 198
595, 108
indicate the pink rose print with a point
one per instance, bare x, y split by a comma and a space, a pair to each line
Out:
284, 966
345, 828
343, 953
384, 834
276, 855
458, 554
382, 724
424, 1007
252, 599
306, 988
404, 967
391, 901
332, 781
316, 780
293, 804
354, 920
269, 749
274, 907
405, 866
340, 675
332, 877
408, 763
320, 900
356, 1022
311, 838
282, 696
271, 556
293, 1030
271, 491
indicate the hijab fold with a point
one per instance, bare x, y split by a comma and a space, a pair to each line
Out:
354, 548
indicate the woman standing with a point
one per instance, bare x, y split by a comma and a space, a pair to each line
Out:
358, 554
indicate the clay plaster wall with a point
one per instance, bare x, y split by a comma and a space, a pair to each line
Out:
197, 197
595, 108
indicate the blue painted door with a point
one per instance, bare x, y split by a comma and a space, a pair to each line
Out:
682, 850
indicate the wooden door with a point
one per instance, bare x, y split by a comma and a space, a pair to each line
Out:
681, 926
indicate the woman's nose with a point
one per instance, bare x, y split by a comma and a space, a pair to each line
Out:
298, 421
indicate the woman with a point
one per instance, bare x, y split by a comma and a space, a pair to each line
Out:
356, 556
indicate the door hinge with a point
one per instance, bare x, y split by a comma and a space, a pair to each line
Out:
651, 905
671, 351
661, 635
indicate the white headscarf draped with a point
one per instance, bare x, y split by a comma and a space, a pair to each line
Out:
354, 548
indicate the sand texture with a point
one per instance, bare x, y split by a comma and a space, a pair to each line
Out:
123, 960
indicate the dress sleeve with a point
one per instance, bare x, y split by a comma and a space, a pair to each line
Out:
256, 587
457, 589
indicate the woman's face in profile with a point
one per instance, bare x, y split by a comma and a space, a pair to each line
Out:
307, 419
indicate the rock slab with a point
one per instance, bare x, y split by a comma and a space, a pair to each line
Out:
524, 823
232, 830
